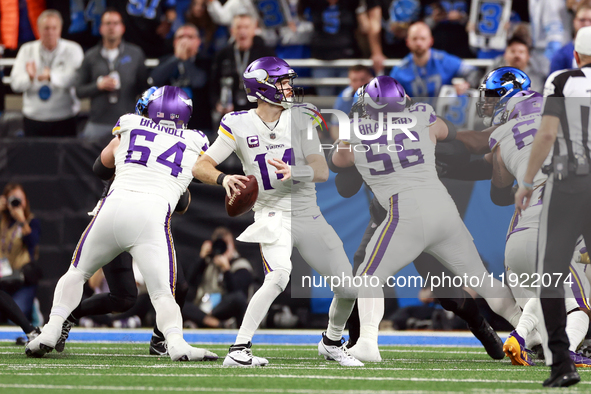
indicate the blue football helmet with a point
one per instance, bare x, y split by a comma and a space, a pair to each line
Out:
142, 103
495, 91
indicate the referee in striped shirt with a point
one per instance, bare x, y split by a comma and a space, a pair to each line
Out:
566, 212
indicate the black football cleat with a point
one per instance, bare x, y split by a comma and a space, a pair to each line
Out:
489, 339
158, 346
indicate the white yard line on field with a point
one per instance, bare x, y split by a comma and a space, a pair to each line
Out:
300, 377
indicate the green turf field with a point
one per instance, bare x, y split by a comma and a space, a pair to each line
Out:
122, 368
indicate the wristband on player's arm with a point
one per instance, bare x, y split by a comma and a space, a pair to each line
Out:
502, 196
220, 180
302, 173
183, 203
476, 170
100, 170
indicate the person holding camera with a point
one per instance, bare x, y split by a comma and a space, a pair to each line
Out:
19, 237
221, 282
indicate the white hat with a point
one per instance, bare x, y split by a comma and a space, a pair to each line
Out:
583, 41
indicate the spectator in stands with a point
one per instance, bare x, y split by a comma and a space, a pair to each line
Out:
389, 41
564, 58
190, 71
359, 75
18, 22
550, 31
19, 239
425, 70
213, 37
335, 22
227, 91
219, 283
112, 74
147, 24
44, 70
449, 27
279, 26
517, 55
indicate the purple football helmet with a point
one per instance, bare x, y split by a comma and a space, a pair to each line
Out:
524, 103
383, 94
261, 76
170, 106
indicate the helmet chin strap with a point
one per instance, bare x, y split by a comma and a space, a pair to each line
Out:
487, 120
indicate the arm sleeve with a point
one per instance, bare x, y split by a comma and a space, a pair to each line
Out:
100, 170
503, 196
476, 170
348, 182
221, 148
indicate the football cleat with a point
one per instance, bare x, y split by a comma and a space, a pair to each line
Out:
66, 327
514, 348
44, 343
489, 339
182, 351
580, 360
21, 341
366, 350
537, 352
337, 351
241, 356
158, 346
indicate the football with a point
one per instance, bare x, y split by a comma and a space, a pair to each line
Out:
241, 203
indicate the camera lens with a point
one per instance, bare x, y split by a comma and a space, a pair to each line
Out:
14, 201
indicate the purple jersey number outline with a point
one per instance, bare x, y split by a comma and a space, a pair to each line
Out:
403, 155
261, 160
177, 150
519, 135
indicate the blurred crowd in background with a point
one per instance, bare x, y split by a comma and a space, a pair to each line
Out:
57, 53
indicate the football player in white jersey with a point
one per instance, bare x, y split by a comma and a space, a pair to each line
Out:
274, 145
153, 156
394, 151
511, 145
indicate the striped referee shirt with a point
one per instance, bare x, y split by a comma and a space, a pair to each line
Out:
568, 97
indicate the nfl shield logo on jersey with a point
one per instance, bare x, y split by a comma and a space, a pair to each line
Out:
272, 135
253, 141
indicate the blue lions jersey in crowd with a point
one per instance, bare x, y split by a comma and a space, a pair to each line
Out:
426, 81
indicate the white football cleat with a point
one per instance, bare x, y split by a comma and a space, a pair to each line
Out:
336, 352
44, 343
185, 352
366, 350
241, 356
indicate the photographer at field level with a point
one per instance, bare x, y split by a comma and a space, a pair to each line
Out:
19, 274
219, 283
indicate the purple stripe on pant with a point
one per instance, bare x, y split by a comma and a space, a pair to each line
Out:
169, 245
78, 251
385, 236
578, 290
